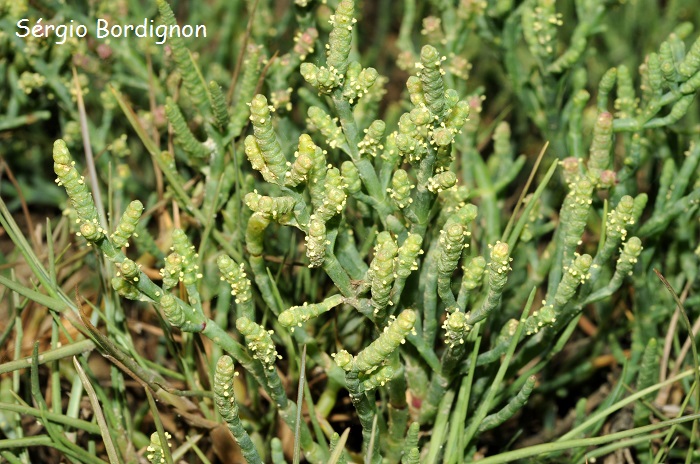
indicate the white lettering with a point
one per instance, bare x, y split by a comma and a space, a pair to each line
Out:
161, 33
61, 34
20, 26
38, 29
102, 31
72, 28
140, 30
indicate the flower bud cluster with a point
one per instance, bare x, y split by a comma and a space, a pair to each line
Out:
172, 272
400, 191
125, 288
456, 328
442, 181
378, 378
321, 78
407, 258
316, 242
258, 341
620, 219
473, 273
358, 81
334, 196
628, 256
450, 245
340, 38
127, 224
574, 275
574, 212
393, 335
279, 209
183, 247
74, 183
154, 451
223, 389
431, 73
298, 172
351, 176
236, 277
499, 265
381, 274
304, 42
371, 143
540, 22
319, 120
297, 315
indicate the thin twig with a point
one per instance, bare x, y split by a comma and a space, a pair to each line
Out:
300, 399
99, 415
239, 61
689, 328
89, 159
152, 103
511, 221
22, 201
662, 396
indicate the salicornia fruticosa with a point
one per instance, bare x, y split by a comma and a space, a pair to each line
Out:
393, 240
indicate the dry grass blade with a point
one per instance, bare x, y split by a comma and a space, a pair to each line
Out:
300, 399
689, 328
159, 427
530, 178
370, 447
23, 203
339, 448
696, 361
89, 158
97, 410
662, 397
241, 55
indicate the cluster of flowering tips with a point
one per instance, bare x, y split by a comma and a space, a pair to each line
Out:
574, 275
620, 220
539, 21
326, 79
578, 269
80, 197
327, 186
671, 76
498, 269
367, 360
373, 356
129, 281
236, 277
180, 266
259, 341
437, 114
281, 68
453, 240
